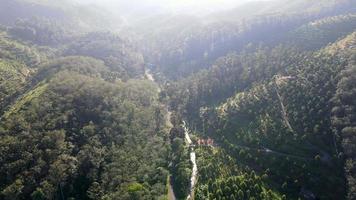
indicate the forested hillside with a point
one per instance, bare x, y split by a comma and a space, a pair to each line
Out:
188, 44
253, 102
74, 124
279, 127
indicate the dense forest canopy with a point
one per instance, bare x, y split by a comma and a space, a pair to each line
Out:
165, 100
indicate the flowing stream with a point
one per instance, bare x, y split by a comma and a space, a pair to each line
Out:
193, 178
193, 160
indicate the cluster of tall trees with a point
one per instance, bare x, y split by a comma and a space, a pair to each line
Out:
181, 168
344, 122
220, 177
76, 135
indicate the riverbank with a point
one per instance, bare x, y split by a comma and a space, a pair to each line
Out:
169, 125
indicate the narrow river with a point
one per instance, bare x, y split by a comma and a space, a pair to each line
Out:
193, 178
193, 160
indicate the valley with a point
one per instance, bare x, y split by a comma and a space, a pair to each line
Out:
159, 100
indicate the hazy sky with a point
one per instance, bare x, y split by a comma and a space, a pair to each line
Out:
165, 5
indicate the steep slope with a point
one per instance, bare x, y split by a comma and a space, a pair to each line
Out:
12, 81
18, 62
344, 107
317, 34
278, 126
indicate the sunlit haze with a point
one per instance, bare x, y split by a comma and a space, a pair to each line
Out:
165, 6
